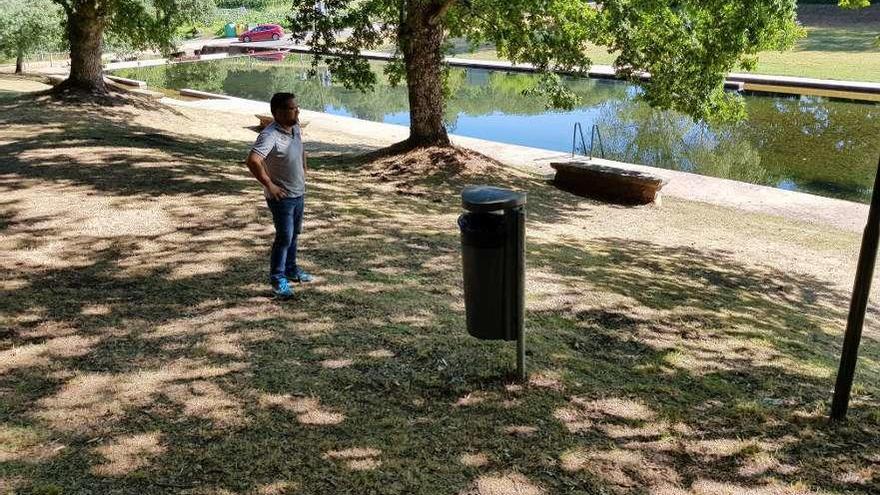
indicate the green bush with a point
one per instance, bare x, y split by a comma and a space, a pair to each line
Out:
251, 4
269, 15
816, 2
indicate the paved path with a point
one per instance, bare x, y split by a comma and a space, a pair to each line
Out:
748, 197
841, 214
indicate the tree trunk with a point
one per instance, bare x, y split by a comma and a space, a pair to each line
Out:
19, 61
85, 30
422, 56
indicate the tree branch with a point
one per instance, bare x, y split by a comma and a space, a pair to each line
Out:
441, 11
65, 4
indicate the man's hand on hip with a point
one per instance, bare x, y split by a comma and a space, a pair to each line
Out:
275, 192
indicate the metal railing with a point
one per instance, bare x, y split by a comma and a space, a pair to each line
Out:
594, 134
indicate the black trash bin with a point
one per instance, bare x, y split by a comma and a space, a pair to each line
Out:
493, 261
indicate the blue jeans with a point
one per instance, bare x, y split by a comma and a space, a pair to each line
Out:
287, 214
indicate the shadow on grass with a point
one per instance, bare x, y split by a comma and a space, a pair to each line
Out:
840, 40
819, 16
151, 360
81, 145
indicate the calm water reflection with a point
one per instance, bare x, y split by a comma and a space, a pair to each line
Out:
808, 144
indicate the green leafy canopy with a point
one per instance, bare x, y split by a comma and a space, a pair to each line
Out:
688, 46
854, 4
27, 26
143, 24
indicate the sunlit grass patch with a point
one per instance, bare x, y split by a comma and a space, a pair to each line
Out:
683, 349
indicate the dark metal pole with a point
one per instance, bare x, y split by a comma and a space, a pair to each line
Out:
517, 219
858, 306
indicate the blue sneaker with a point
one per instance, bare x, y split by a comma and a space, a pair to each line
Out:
300, 276
282, 289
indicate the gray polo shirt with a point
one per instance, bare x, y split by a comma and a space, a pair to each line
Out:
282, 157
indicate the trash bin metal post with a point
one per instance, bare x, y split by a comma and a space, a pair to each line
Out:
516, 217
493, 263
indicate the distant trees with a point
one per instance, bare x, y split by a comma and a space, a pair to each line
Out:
27, 26
141, 23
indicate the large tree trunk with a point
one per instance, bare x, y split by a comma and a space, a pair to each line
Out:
19, 61
422, 56
85, 30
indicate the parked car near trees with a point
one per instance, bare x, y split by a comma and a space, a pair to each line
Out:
263, 32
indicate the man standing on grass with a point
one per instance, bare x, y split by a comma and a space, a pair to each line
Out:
278, 161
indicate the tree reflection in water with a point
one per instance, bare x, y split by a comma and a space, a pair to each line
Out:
806, 143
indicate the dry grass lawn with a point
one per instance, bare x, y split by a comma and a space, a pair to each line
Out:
686, 349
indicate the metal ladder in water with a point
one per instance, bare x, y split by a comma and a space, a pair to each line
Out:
594, 133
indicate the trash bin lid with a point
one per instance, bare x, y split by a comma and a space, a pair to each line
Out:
490, 198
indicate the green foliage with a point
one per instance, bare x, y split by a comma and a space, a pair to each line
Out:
153, 23
253, 4
201, 12
120, 48
842, 3
854, 4
274, 14
27, 26
557, 93
688, 46
143, 24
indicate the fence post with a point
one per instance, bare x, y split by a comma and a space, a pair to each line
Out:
858, 306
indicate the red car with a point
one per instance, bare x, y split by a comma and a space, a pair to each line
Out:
263, 32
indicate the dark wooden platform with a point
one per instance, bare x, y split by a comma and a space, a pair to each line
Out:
264, 120
612, 184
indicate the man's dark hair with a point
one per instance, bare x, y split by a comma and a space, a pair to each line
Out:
279, 99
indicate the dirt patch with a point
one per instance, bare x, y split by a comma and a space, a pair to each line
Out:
415, 172
23, 83
436, 162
